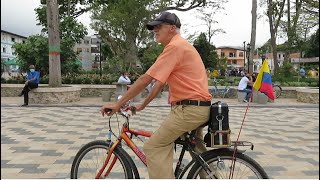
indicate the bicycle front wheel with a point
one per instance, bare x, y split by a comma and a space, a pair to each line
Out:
277, 90
91, 158
220, 165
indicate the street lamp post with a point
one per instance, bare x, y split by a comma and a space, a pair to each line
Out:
100, 52
248, 55
244, 53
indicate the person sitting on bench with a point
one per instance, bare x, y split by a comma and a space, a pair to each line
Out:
33, 80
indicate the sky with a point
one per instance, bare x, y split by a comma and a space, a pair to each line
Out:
18, 16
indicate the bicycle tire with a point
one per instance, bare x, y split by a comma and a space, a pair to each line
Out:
225, 92
277, 90
123, 168
212, 158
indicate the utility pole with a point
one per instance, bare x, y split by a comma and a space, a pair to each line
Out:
244, 54
54, 43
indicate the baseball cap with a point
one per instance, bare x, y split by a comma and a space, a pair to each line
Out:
164, 17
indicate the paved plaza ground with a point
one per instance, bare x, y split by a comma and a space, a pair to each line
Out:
40, 141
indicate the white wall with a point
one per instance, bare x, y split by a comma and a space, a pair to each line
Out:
6, 44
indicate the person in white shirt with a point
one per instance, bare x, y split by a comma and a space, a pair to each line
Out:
124, 78
242, 87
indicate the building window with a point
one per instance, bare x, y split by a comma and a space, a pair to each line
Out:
13, 39
79, 50
240, 54
234, 61
86, 42
23, 41
4, 49
231, 55
94, 50
222, 54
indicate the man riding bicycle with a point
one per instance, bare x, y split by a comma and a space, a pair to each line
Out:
179, 65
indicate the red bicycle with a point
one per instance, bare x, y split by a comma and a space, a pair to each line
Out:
106, 159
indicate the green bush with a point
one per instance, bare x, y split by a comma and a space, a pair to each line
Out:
86, 80
298, 84
314, 84
44, 79
96, 81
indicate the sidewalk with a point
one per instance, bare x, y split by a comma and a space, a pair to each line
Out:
40, 141
159, 102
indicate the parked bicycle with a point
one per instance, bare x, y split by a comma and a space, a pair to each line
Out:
277, 90
215, 91
106, 159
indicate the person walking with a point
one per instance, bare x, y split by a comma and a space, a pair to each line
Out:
33, 80
302, 72
181, 66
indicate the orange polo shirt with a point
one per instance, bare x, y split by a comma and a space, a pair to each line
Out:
180, 65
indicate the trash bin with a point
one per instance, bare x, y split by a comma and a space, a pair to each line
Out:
106, 96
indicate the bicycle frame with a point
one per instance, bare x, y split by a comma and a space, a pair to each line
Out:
128, 139
125, 137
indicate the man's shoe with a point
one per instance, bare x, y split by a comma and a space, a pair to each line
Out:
245, 101
24, 105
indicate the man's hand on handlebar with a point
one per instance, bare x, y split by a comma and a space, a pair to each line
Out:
109, 109
140, 107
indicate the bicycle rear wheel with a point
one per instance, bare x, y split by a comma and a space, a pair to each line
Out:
220, 164
90, 159
277, 90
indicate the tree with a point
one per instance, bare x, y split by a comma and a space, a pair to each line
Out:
253, 34
121, 23
149, 54
48, 15
54, 44
207, 51
35, 51
207, 16
312, 50
275, 13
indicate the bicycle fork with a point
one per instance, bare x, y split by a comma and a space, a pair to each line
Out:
111, 149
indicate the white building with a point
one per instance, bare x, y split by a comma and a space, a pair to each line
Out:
257, 61
88, 51
7, 52
7, 40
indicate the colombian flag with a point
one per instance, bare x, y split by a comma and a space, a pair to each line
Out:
263, 82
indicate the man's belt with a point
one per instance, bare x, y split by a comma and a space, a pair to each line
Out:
193, 102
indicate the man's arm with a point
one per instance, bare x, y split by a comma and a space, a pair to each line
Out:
135, 89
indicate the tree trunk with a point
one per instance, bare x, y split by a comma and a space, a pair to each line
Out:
274, 21
131, 56
54, 44
253, 34
289, 32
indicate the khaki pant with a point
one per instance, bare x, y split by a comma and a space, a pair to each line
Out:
159, 148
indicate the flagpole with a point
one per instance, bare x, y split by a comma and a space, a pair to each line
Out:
236, 143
